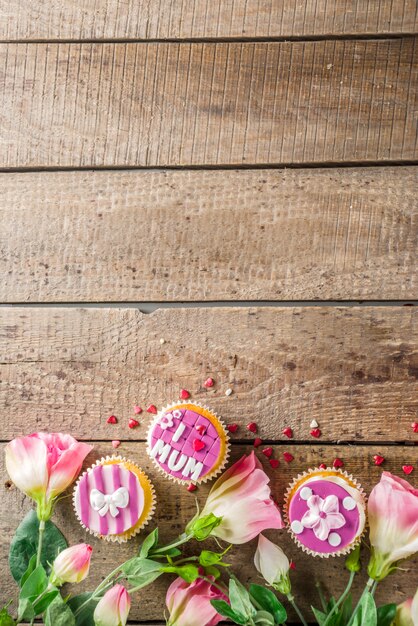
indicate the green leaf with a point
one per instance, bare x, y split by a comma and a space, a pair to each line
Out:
319, 616
225, 610
202, 527
141, 572
35, 584
211, 570
367, 613
59, 614
189, 572
25, 611
42, 605
85, 616
25, 544
386, 614
264, 618
268, 601
240, 599
149, 543
5, 618
31, 567
207, 557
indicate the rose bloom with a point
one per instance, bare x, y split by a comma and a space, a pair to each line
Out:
71, 565
113, 609
239, 506
189, 604
393, 520
43, 465
273, 564
407, 612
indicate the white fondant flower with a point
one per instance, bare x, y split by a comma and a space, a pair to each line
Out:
323, 516
166, 421
177, 414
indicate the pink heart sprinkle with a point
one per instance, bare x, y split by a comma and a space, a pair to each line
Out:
257, 442
112, 420
116, 443
337, 463
274, 463
137, 409
288, 457
415, 427
152, 409
323, 466
232, 428
267, 452
209, 382
184, 394
252, 427
408, 469
191, 487
292, 565
378, 460
133, 423
288, 432
198, 445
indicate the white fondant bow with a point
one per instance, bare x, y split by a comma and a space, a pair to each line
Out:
113, 502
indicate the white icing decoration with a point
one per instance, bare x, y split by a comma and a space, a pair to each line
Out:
166, 421
161, 449
297, 527
177, 414
305, 493
193, 467
180, 430
349, 503
334, 539
314, 424
109, 502
323, 516
176, 467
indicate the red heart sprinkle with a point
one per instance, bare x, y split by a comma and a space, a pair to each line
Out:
137, 409
232, 428
415, 427
201, 429
408, 469
112, 420
315, 432
292, 565
252, 427
288, 432
257, 442
288, 457
198, 445
184, 394
267, 452
209, 382
337, 463
152, 409
133, 423
191, 487
116, 443
274, 463
323, 466
378, 460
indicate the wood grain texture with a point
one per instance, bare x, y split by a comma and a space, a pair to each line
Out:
175, 507
354, 369
207, 104
209, 235
173, 19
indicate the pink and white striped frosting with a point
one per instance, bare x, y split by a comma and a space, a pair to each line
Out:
107, 479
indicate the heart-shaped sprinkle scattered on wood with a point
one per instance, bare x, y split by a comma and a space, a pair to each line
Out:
116, 443
378, 460
252, 427
337, 463
288, 457
288, 432
198, 445
112, 419
267, 452
191, 487
137, 409
315, 432
209, 382
133, 423
408, 469
152, 409
415, 427
232, 428
184, 394
314, 424
274, 463
257, 442
323, 466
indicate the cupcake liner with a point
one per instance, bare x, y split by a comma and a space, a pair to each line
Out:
221, 463
143, 478
329, 472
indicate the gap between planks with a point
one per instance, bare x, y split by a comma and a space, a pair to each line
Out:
150, 307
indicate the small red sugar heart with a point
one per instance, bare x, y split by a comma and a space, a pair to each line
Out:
257, 442
116, 443
415, 427
209, 382
274, 463
152, 409
267, 452
337, 463
323, 466
378, 460
288, 432
252, 427
198, 445
133, 423
315, 432
408, 469
184, 394
137, 409
292, 565
201, 429
112, 420
288, 457
191, 487
232, 428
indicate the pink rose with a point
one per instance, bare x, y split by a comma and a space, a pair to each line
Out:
43, 465
239, 506
189, 604
71, 565
393, 520
113, 609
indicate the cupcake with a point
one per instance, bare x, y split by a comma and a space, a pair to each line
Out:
188, 443
325, 511
114, 499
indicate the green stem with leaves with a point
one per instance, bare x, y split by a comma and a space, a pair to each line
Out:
296, 609
341, 598
369, 588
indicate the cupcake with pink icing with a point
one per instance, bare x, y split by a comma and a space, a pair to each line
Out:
114, 499
325, 511
188, 443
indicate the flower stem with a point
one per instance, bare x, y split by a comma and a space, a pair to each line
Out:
183, 538
321, 595
296, 609
40, 541
370, 587
341, 598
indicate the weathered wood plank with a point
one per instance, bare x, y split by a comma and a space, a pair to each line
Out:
209, 235
352, 369
173, 19
176, 506
211, 104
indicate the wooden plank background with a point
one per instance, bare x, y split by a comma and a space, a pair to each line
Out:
257, 154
